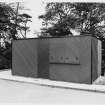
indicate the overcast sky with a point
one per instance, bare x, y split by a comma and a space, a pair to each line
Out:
37, 7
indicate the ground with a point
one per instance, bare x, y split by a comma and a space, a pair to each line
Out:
12, 91
100, 80
27, 90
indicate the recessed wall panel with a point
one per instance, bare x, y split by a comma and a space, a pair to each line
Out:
43, 58
24, 58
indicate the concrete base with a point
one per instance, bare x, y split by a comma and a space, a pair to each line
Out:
6, 75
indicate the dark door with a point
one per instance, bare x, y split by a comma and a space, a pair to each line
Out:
43, 58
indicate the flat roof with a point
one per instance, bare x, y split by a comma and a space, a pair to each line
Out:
55, 37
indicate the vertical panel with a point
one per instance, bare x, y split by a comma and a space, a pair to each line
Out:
24, 58
99, 48
94, 58
43, 58
85, 55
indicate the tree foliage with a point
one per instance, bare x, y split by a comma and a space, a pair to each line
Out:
12, 24
11, 21
60, 18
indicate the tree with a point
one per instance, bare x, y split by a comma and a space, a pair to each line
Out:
11, 24
11, 21
20, 21
24, 19
60, 18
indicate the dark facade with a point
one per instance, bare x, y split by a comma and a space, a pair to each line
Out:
71, 59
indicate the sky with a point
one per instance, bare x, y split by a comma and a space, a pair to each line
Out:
36, 8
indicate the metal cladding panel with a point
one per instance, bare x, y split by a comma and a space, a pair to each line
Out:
99, 57
94, 57
24, 58
63, 52
70, 59
43, 58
